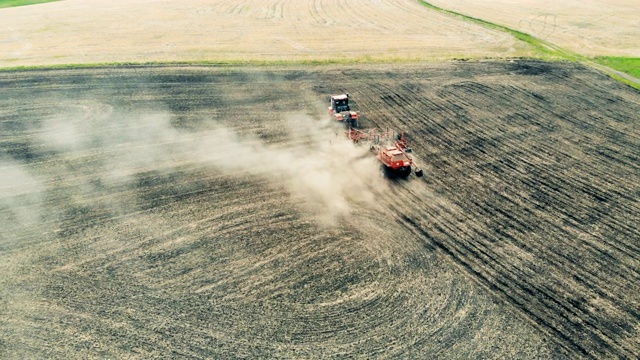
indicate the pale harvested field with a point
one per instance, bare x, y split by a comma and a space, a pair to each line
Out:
588, 27
79, 31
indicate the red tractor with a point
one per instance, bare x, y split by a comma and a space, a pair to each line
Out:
341, 112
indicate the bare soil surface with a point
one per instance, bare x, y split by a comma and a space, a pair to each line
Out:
99, 31
212, 212
588, 27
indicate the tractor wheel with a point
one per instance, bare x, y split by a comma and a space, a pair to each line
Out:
384, 170
405, 171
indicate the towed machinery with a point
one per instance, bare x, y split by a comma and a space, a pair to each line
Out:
396, 162
341, 111
391, 151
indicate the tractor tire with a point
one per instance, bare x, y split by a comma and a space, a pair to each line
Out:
405, 171
384, 171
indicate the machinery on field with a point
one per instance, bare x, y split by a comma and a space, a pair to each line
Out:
391, 151
341, 111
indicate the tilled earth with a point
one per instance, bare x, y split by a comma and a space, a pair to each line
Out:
214, 212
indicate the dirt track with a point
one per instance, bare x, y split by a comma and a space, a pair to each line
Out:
211, 212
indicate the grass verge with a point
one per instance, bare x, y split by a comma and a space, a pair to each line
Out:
624, 65
626, 81
12, 3
629, 65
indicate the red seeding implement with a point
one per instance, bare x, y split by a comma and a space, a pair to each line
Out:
341, 112
391, 151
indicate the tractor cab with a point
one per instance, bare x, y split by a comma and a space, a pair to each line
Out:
340, 103
341, 111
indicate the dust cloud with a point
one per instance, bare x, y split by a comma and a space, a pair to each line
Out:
326, 172
20, 195
323, 172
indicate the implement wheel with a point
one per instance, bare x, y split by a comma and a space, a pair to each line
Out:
404, 172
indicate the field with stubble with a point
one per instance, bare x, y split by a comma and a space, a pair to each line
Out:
214, 212
107, 31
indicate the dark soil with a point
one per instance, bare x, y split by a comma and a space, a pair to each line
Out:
192, 212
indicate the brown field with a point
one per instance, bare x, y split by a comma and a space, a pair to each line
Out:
588, 27
213, 212
79, 32
216, 212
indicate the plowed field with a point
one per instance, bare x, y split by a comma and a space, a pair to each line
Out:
214, 213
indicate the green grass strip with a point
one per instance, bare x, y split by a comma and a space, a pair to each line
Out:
12, 3
629, 65
626, 81
624, 65
623, 69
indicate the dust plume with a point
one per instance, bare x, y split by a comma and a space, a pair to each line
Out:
20, 195
324, 172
